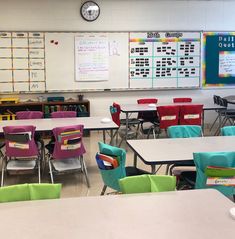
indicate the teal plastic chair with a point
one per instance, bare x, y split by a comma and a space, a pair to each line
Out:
26, 192
147, 183
183, 131
111, 177
228, 131
219, 159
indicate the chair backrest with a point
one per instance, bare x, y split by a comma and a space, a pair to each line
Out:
228, 131
191, 114
19, 141
111, 176
147, 115
68, 142
215, 159
216, 99
223, 102
147, 101
168, 115
29, 115
25, 192
147, 183
184, 131
63, 114
115, 111
183, 100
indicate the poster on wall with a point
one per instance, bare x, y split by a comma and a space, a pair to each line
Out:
219, 59
165, 59
91, 57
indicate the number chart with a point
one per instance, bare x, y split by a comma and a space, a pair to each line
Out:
22, 61
164, 59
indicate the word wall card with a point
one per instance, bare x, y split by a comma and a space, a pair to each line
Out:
22, 62
164, 59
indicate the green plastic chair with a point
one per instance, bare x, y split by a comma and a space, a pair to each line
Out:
184, 131
147, 183
111, 177
14, 193
44, 191
228, 131
219, 159
26, 192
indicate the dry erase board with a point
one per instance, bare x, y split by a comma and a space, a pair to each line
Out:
79, 61
219, 59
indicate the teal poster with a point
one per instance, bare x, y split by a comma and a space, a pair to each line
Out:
219, 59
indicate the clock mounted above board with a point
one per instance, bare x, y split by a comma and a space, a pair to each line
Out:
90, 11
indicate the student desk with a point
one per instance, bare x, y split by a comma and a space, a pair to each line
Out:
171, 150
90, 123
135, 108
180, 215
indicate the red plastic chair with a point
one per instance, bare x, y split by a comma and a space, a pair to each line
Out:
147, 116
182, 100
191, 114
133, 124
168, 116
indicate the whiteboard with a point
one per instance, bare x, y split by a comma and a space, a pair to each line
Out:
80, 61
61, 65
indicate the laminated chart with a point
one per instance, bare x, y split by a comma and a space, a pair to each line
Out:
22, 62
164, 59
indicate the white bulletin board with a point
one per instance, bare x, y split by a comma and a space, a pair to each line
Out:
83, 61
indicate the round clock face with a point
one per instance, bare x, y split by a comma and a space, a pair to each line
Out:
90, 11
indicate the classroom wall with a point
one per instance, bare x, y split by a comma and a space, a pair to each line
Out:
123, 15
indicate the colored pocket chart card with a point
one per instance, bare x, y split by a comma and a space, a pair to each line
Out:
164, 59
22, 61
219, 59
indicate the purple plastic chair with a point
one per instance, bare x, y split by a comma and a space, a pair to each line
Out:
63, 114
21, 153
29, 115
67, 155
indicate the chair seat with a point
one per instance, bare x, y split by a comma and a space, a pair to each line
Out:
66, 164
21, 164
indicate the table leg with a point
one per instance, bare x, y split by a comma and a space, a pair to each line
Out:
104, 136
153, 169
111, 137
135, 160
127, 120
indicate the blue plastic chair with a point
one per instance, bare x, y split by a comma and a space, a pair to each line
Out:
220, 159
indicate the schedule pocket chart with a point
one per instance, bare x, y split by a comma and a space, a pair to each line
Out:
164, 59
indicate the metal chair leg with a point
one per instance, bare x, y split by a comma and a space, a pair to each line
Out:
103, 190
50, 168
85, 171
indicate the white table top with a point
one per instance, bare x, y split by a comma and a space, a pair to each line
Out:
90, 123
169, 150
180, 215
128, 108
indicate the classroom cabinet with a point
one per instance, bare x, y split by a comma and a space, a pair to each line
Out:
8, 110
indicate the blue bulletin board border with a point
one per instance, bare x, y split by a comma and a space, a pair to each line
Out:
216, 44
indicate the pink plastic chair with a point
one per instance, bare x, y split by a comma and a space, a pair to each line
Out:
20, 145
64, 114
67, 155
29, 115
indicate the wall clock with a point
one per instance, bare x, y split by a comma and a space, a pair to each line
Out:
90, 11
